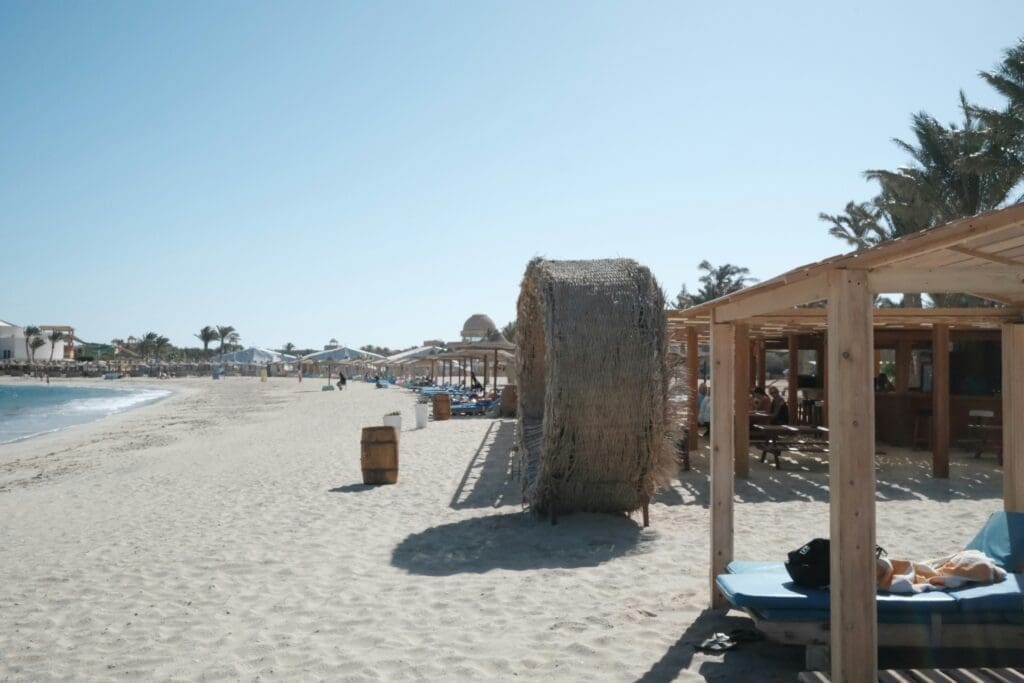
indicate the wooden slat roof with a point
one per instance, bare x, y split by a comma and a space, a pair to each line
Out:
986, 247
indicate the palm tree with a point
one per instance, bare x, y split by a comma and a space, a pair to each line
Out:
160, 345
224, 332
54, 337
147, 344
288, 348
858, 225
34, 345
716, 282
31, 332
207, 335
1006, 127
955, 173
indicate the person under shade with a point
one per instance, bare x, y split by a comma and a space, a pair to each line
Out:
778, 409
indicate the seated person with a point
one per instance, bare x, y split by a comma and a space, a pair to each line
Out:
704, 414
882, 383
759, 401
779, 409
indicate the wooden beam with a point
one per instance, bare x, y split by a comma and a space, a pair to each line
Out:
762, 367
940, 402
721, 466
995, 280
977, 253
851, 459
1013, 412
793, 379
777, 299
741, 399
824, 368
692, 370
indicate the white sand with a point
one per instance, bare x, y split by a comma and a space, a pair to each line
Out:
224, 534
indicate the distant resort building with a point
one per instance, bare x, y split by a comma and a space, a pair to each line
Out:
478, 327
14, 348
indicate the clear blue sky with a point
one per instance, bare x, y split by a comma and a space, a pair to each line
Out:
377, 172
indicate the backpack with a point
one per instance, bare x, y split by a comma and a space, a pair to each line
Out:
809, 566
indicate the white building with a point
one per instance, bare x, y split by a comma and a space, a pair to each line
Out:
12, 345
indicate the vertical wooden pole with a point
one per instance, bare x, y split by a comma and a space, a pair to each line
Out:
793, 378
692, 370
940, 401
852, 479
722, 453
903, 356
762, 367
741, 399
495, 370
1013, 410
823, 361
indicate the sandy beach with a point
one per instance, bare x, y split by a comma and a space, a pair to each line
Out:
224, 533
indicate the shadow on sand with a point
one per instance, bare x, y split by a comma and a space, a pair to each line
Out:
352, 488
518, 542
747, 662
900, 475
488, 481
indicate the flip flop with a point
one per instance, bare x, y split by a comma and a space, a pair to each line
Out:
718, 642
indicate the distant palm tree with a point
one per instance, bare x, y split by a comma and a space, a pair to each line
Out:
147, 344
716, 282
224, 333
31, 332
288, 348
160, 345
34, 346
858, 225
54, 337
207, 335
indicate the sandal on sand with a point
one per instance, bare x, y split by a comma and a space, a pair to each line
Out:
718, 642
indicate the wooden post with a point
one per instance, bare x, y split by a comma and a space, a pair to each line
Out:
940, 401
903, 358
1013, 410
851, 460
823, 360
762, 367
741, 399
722, 453
793, 378
495, 371
692, 370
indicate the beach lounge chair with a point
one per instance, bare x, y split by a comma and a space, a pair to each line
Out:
478, 408
976, 617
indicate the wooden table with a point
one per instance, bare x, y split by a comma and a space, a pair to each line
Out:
777, 438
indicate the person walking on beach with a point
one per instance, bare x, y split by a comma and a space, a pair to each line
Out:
341, 380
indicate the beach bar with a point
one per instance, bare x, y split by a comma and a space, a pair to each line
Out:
982, 256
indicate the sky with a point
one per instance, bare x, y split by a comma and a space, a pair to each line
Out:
378, 172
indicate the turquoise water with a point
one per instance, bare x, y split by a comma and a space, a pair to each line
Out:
27, 411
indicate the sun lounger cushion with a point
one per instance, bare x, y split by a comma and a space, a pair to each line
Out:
746, 566
768, 590
1002, 539
1005, 596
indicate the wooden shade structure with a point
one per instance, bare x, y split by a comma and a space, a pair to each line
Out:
982, 255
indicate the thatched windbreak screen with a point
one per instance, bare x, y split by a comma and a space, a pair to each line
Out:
591, 343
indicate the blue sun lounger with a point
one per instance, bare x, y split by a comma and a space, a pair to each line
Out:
478, 408
976, 617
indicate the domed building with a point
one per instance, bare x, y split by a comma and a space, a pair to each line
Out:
478, 327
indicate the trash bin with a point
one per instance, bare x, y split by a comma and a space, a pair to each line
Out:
422, 411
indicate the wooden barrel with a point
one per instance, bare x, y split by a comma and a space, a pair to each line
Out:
509, 397
442, 407
380, 455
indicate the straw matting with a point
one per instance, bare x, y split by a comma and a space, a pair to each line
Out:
592, 385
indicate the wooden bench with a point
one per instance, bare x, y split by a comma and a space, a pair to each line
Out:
775, 439
931, 676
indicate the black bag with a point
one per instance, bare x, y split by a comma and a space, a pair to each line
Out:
809, 565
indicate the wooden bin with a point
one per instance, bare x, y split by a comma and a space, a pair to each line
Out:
442, 407
380, 455
509, 398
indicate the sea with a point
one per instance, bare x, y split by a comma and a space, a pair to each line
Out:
27, 411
